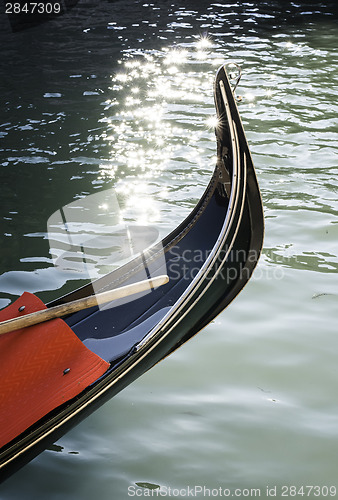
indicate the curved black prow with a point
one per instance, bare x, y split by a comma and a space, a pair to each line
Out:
209, 258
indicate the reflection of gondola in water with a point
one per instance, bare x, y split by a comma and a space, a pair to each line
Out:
209, 258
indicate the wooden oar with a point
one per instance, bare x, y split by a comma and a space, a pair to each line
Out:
77, 305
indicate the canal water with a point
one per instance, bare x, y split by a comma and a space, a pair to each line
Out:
119, 95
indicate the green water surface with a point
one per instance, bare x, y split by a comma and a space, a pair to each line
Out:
119, 95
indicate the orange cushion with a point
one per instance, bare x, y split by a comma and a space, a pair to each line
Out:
32, 364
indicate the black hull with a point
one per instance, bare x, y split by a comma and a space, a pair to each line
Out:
227, 227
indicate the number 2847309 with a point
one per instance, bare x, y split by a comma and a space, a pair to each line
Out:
307, 491
33, 8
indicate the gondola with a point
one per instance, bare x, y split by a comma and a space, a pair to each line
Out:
225, 228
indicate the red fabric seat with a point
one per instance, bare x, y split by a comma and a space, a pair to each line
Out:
41, 367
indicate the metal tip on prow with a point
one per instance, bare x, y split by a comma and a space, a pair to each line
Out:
234, 72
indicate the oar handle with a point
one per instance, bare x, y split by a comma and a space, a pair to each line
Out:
80, 304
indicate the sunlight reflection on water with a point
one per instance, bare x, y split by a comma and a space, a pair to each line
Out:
150, 123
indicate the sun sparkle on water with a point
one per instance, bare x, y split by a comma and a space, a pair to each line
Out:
213, 122
204, 43
148, 125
